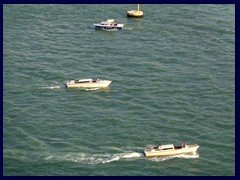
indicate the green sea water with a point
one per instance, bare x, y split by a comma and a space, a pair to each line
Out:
173, 81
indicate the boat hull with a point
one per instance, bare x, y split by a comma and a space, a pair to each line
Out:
106, 27
157, 152
134, 13
100, 84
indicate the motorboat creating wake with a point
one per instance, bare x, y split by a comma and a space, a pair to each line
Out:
169, 149
88, 83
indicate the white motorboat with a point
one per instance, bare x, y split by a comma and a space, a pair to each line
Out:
135, 13
169, 149
88, 83
109, 25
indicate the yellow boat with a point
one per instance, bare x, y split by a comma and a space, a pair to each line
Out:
169, 149
135, 13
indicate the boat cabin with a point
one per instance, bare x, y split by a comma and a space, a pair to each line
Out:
166, 147
83, 80
108, 22
171, 146
86, 81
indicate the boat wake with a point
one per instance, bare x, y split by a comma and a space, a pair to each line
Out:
113, 154
184, 156
85, 158
94, 159
51, 87
116, 157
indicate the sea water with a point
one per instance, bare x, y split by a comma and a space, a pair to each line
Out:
173, 81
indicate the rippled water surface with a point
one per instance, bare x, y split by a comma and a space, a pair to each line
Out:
173, 81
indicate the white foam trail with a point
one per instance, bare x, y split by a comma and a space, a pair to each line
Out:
94, 159
52, 87
127, 28
92, 89
132, 155
114, 158
112, 148
86, 158
185, 156
49, 157
119, 156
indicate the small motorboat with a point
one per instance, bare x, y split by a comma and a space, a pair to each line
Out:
109, 25
169, 149
135, 13
88, 83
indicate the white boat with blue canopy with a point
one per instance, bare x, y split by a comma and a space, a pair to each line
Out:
109, 25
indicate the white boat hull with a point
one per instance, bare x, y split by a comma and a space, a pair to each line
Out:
98, 84
109, 27
159, 152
